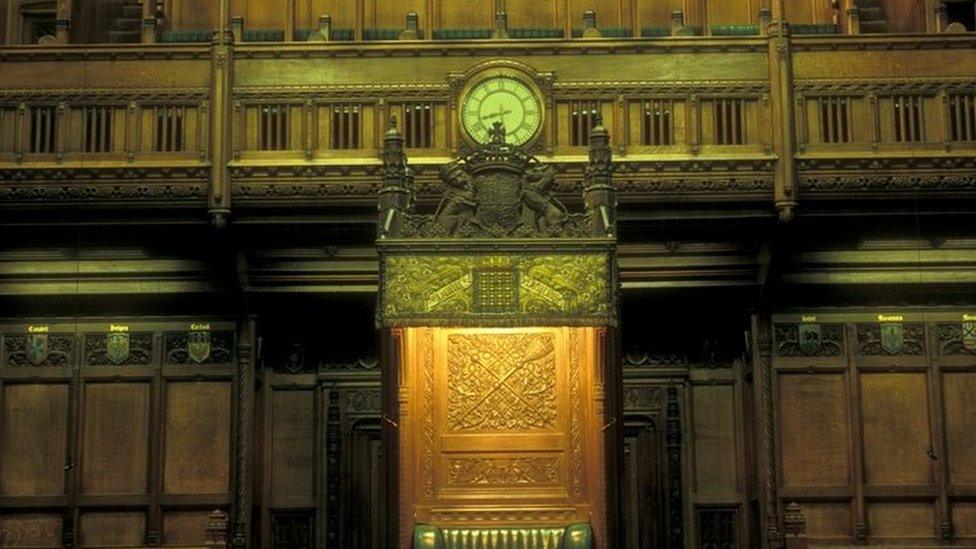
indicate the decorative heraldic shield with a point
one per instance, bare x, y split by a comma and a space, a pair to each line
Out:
498, 310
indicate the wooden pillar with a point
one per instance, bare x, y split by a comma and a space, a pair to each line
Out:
243, 440
766, 447
63, 22
783, 113
149, 21
221, 115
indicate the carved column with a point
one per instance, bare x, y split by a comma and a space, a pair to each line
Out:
395, 194
783, 116
62, 23
243, 437
599, 194
333, 444
221, 115
766, 431
676, 529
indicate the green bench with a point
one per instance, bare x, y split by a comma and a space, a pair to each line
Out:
574, 536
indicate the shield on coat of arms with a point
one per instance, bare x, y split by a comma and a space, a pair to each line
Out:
37, 348
969, 336
117, 347
809, 338
198, 346
498, 195
892, 337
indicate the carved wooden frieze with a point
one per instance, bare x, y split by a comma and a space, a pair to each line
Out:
514, 471
891, 338
198, 347
956, 338
38, 349
643, 398
808, 339
119, 348
469, 289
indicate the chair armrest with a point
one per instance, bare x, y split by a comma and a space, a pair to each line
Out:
578, 536
426, 536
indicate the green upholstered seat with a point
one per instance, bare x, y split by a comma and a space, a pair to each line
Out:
607, 32
828, 28
264, 35
574, 536
382, 34
531, 33
461, 34
735, 30
185, 36
650, 32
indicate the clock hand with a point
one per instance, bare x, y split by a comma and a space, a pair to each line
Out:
496, 115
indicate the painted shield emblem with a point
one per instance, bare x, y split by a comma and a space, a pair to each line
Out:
892, 337
198, 346
37, 348
117, 347
809, 338
969, 336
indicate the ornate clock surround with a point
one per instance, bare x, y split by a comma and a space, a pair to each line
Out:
541, 84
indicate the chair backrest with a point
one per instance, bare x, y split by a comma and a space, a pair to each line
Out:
574, 536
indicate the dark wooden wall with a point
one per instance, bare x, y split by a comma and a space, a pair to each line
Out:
101, 449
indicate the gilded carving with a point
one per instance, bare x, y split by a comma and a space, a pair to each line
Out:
501, 382
576, 422
503, 471
428, 448
430, 287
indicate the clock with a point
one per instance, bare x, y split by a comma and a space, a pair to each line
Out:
504, 99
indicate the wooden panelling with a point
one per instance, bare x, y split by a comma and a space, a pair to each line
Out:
904, 16
714, 435
827, 519
184, 527
343, 12
292, 437
34, 427
657, 13
540, 14
197, 441
112, 529
464, 15
896, 429
809, 11
609, 13
731, 13
814, 430
901, 519
392, 14
196, 14
30, 530
116, 432
265, 15
960, 389
964, 518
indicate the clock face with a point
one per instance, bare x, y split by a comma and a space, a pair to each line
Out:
501, 99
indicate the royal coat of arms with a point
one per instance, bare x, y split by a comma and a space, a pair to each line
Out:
198, 346
892, 337
37, 348
117, 347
